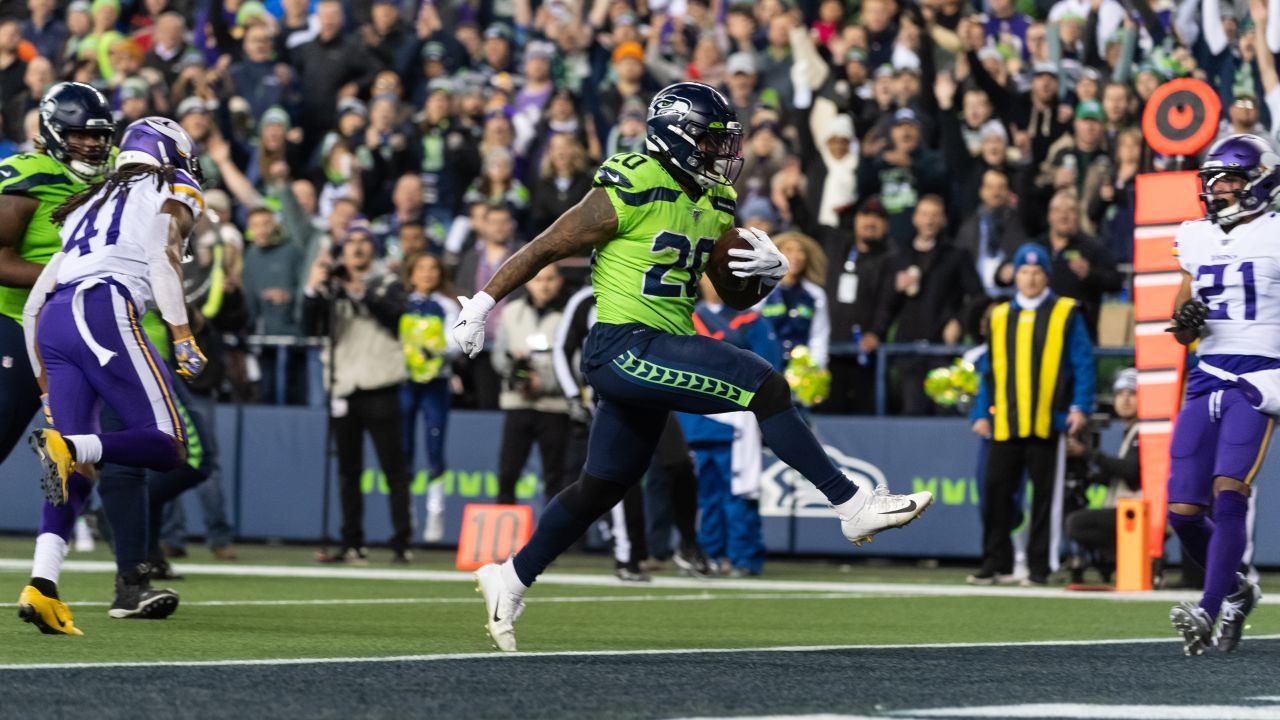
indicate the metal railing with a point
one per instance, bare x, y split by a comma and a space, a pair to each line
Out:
883, 355
889, 350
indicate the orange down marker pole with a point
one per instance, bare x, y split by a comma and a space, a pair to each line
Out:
1180, 119
1133, 556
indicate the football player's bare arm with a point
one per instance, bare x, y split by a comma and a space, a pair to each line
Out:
16, 212
587, 224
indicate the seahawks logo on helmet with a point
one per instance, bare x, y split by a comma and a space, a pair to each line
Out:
671, 106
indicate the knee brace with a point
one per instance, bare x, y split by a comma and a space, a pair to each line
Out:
773, 397
590, 497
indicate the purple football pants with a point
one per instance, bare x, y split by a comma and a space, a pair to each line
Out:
1218, 434
94, 351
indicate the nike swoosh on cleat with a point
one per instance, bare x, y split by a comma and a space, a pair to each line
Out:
911, 506
495, 615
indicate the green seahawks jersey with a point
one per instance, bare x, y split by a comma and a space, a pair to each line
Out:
38, 176
648, 272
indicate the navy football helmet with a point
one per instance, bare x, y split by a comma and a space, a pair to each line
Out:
1245, 157
75, 108
694, 128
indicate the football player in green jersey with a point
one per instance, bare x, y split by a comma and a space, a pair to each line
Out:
76, 128
652, 221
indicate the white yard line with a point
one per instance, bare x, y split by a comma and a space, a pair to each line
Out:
1092, 711
475, 599
586, 580
591, 653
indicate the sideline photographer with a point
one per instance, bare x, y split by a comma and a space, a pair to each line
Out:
1094, 529
366, 367
534, 405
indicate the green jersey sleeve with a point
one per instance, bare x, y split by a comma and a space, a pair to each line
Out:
42, 178
648, 272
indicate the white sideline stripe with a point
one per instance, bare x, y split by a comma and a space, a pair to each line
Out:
824, 716
1151, 327
1157, 279
473, 600
592, 653
584, 580
1157, 377
1147, 232
1090, 711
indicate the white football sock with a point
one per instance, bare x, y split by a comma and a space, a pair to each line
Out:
51, 551
850, 507
512, 581
88, 448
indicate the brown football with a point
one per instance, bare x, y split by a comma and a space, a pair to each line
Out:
720, 259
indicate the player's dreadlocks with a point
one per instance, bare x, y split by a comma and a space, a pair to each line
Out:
122, 179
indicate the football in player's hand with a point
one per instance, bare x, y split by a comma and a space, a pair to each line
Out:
720, 259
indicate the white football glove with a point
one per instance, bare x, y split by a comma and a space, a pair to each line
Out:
763, 259
468, 332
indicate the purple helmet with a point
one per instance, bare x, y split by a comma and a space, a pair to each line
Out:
1242, 157
159, 141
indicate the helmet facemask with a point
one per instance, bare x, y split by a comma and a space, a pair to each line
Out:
716, 157
719, 153
1229, 207
89, 160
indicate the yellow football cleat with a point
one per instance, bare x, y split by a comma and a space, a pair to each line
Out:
57, 462
52, 616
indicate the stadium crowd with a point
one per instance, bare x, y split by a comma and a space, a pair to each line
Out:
913, 147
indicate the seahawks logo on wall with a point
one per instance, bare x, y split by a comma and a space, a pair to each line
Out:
1181, 118
783, 489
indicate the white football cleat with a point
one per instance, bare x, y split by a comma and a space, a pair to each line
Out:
867, 513
503, 607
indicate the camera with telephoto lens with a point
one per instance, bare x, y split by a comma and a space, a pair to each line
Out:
521, 379
337, 270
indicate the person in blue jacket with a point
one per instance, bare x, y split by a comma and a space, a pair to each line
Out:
1037, 387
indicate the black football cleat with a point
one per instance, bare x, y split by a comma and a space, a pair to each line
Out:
1235, 610
136, 599
693, 562
1197, 629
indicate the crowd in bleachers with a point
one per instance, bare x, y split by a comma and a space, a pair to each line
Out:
916, 145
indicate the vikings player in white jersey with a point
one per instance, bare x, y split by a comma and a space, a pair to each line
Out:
123, 243
1230, 303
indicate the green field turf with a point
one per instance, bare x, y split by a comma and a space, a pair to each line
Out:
227, 617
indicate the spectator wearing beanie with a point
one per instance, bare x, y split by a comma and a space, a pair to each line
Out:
1025, 426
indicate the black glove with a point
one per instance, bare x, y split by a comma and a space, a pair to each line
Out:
1191, 316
